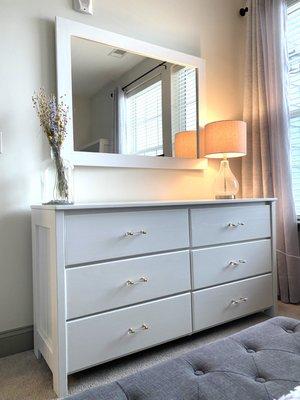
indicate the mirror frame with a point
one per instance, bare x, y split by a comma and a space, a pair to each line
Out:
65, 29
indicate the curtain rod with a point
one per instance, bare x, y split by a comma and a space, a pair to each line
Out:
146, 73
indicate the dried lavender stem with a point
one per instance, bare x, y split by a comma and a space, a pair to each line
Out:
61, 176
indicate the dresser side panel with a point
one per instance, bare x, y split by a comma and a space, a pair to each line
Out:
49, 293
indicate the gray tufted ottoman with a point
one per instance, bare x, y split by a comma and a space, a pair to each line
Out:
259, 363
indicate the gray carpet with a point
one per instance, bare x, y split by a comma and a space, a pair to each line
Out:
23, 377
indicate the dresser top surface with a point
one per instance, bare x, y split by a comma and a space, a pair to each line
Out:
152, 203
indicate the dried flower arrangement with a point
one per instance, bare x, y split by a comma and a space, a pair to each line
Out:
53, 116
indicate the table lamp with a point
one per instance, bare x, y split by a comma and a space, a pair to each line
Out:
225, 139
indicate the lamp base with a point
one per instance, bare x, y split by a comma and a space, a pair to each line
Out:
227, 196
226, 185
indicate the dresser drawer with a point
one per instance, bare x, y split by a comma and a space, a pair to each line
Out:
219, 304
105, 286
105, 235
216, 225
96, 339
221, 264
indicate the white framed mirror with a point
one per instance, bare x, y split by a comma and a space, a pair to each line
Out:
132, 104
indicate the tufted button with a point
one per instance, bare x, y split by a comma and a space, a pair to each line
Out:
260, 380
198, 372
289, 331
250, 351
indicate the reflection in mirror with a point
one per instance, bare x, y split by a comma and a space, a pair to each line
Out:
126, 103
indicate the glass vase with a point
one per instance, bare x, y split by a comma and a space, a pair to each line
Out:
57, 180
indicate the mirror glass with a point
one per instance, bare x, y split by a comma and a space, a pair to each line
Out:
125, 103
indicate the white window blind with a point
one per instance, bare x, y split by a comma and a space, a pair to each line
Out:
293, 39
144, 120
184, 100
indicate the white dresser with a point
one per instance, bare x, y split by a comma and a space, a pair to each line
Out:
112, 279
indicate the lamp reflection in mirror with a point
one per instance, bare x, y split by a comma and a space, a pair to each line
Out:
225, 139
186, 144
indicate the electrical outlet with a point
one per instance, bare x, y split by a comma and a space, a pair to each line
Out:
83, 6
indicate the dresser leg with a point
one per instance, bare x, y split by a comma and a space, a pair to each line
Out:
37, 353
272, 312
36, 342
60, 384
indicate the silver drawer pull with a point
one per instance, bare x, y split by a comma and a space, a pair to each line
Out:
239, 301
143, 279
130, 233
235, 225
236, 263
143, 327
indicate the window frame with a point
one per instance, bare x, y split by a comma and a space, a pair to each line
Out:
176, 70
143, 84
293, 114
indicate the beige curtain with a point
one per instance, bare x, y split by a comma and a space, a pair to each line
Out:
266, 168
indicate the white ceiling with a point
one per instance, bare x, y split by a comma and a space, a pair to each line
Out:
93, 67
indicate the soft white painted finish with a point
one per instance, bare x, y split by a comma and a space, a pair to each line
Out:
65, 30
82, 158
223, 303
28, 62
230, 224
100, 236
220, 264
103, 337
154, 203
49, 294
57, 230
101, 287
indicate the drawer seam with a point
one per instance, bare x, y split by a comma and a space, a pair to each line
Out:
234, 281
219, 244
188, 291
134, 256
229, 283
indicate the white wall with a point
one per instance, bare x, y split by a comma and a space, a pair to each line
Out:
102, 111
210, 28
81, 121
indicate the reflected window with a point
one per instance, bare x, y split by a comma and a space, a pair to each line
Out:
184, 100
144, 120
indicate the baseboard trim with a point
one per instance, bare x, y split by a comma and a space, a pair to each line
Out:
16, 340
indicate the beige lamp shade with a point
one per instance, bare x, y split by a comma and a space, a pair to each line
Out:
225, 139
186, 144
